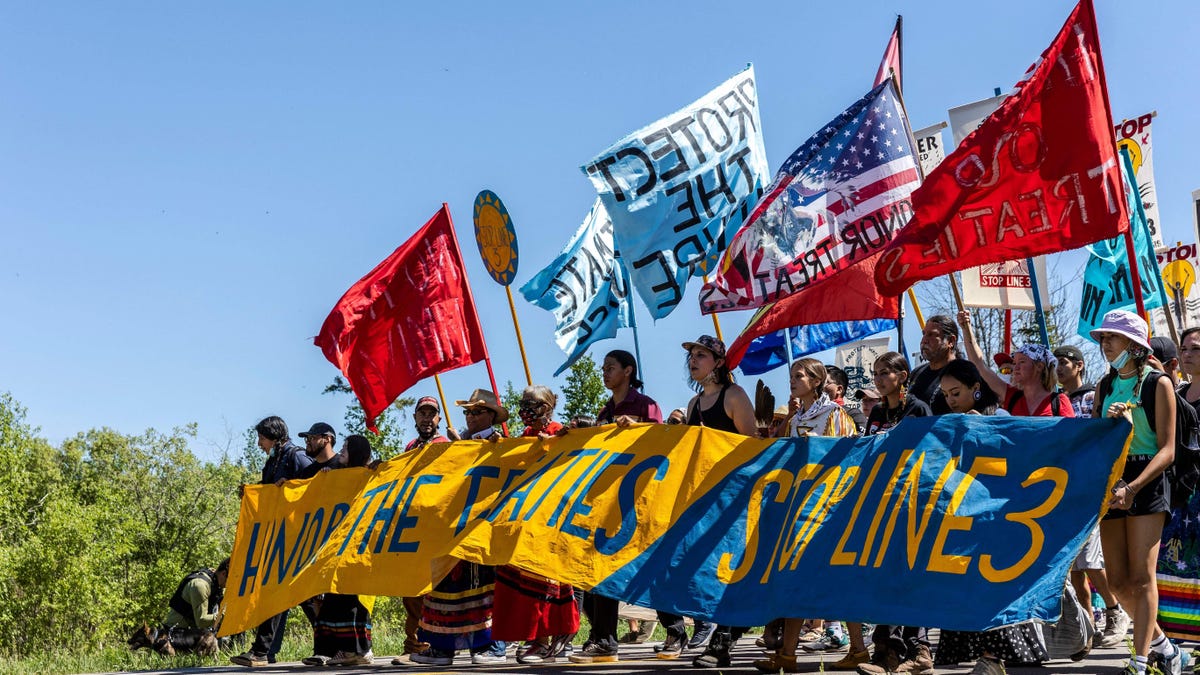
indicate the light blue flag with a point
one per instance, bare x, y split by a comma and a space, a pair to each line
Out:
768, 352
586, 287
1107, 282
675, 188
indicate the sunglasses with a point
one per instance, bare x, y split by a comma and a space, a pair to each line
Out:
672, 420
475, 411
531, 406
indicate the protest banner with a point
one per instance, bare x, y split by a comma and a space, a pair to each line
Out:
1004, 285
1108, 280
1040, 175
1178, 267
585, 287
411, 317
674, 188
769, 351
931, 149
967, 117
1134, 136
834, 202
858, 360
707, 523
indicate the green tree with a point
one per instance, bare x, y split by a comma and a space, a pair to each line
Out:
584, 392
512, 402
391, 423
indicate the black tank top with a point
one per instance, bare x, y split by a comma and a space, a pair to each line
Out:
714, 417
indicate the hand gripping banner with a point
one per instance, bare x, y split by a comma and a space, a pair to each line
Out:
899, 527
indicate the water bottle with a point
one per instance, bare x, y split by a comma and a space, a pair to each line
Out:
1097, 607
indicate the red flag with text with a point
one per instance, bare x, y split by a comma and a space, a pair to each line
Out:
409, 318
1040, 175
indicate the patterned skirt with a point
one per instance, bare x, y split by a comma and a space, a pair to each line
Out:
1179, 573
343, 624
458, 613
529, 607
1012, 644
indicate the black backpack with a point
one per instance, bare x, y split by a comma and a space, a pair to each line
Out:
1184, 472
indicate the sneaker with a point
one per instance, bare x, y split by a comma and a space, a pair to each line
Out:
810, 636
1116, 625
560, 646
403, 660
851, 661
988, 666
882, 662
489, 658
250, 660
595, 652
716, 654
352, 659
538, 653
315, 660
831, 641
701, 634
433, 657
778, 663
1168, 665
671, 649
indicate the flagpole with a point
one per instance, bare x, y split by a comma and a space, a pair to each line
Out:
787, 346
520, 343
1162, 287
717, 324
442, 397
1037, 302
912, 297
487, 359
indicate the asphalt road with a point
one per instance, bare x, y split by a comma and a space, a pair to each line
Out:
639, 659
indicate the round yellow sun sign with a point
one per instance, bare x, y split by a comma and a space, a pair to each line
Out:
496, 237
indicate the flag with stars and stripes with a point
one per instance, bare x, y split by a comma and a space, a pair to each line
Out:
835, 202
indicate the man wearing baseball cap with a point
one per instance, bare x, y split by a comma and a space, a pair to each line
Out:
1167, 354
320, 443
428, 417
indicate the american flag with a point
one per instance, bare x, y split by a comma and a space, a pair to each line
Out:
859, 164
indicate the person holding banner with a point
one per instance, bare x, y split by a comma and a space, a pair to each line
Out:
1033, 389
719, 404
899, 649
811, 412
965, 392
626, 406
1131, 531
529, 607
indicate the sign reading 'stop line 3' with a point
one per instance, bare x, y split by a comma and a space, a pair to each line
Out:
676, 188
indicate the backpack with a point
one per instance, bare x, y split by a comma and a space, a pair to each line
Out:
1184, 472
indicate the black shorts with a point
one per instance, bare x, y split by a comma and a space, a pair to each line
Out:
1155, 497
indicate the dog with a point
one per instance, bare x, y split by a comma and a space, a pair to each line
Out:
170, 641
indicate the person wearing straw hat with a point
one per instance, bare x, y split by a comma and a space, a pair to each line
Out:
1131, 531
483, 413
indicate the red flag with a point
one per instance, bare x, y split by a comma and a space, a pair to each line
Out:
1040, 175
890, 65
411, 317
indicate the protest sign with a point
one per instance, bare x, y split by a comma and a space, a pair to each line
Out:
967, 117
585, 287
496, 237
1178, 266
676, 187
768, 352
1134, 135
931, 150
707, 523
858, 360
1005, 285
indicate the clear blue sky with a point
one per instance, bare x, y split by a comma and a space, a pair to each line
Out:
187, 188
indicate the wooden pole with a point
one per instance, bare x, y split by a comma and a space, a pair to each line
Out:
442, 397
717, 324
520, 343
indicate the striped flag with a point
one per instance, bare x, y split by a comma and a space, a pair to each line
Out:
835, 202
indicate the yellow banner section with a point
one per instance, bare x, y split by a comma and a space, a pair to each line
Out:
577, 508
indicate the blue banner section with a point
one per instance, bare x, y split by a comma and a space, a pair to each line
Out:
1107, 280
586, 288
768, 352
961, 522
676, 187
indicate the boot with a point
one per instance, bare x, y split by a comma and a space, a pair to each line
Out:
716, 655
645, 631
920, 664
883, 661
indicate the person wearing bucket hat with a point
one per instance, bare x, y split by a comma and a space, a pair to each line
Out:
1131, 531
719, 403
1032, 387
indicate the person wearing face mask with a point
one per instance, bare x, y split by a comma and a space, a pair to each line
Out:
1131, 531
1032, 390
528, 607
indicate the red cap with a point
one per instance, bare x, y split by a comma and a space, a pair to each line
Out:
1002, 359
428, 401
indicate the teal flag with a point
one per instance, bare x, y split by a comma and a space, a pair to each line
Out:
1107, 282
